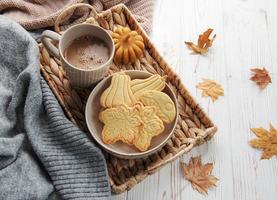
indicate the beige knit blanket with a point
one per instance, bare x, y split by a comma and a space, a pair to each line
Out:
35, 14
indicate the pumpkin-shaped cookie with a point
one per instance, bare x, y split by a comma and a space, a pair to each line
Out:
119, 92
154, 82
129, 45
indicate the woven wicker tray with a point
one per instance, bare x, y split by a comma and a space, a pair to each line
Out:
193, 128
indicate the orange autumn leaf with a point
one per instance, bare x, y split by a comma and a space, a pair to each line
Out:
199, 175
211, 88
261, 77
203, 44
267, 141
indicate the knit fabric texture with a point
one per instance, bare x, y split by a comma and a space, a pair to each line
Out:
34, 14
39, 147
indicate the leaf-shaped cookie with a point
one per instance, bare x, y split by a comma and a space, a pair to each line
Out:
164, 105
152, 126
120, 123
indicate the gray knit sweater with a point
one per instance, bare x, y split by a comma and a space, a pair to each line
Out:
40, 149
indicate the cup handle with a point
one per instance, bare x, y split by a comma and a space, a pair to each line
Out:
47, 34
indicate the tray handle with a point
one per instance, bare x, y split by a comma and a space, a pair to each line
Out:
69, 9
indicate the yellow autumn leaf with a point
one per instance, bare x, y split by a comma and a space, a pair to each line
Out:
261, 77
267, 141
211, 88
203, 43
199, 175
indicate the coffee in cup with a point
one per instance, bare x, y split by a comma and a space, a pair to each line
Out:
87, 52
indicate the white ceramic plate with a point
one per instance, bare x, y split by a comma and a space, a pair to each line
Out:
121, 149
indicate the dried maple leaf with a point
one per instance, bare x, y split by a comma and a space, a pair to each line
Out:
203, 44
210, 88
267, 141
261, 77
199, 175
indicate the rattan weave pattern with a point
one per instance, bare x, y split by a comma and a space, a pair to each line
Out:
194, 126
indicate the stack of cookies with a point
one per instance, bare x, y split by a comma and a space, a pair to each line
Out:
135, 110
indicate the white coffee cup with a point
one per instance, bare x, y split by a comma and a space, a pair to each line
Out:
79, 77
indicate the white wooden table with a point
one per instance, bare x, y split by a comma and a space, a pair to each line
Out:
246, 37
